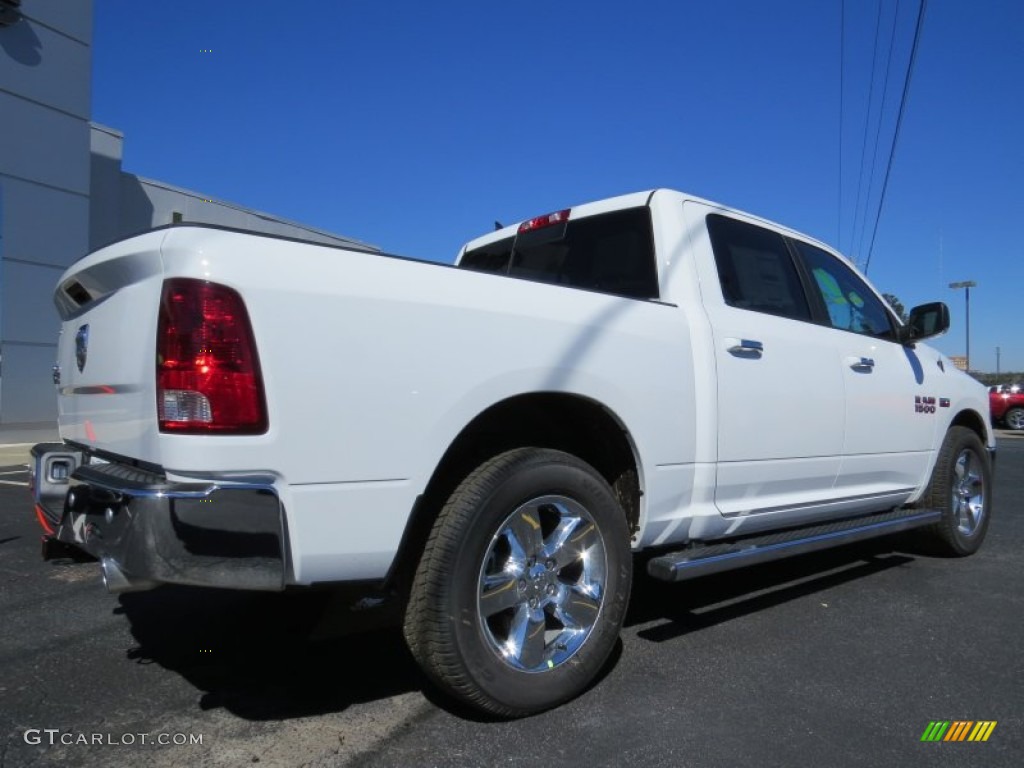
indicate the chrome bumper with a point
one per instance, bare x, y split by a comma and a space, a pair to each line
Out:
147, 531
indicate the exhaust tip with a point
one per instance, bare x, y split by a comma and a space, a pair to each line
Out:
117, 582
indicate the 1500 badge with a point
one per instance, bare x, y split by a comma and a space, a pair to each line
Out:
924, 404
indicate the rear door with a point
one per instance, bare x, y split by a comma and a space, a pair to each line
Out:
780, 402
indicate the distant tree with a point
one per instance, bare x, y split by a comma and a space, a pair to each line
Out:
1010, 377
897, 305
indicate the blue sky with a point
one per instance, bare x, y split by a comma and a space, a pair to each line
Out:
414, 126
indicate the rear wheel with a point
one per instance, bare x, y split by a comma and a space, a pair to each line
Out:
961, 488
523, 584
1014, 418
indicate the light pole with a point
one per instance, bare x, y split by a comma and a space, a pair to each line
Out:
966, 285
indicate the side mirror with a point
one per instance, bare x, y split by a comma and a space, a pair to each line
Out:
925, 321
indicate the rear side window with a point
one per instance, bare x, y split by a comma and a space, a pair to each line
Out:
611, 252
755, 269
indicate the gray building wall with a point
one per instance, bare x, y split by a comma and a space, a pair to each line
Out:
45, 69
64, 193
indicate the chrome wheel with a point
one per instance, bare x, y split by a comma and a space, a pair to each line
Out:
542, 584
1015, 418
523, 584
968, 492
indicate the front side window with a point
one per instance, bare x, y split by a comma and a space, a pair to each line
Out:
755, 269
851, 305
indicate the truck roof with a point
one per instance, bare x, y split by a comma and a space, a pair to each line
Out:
636, 199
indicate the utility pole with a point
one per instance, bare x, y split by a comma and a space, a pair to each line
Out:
966, 285
997, 361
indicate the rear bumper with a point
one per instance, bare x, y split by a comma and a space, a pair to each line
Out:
147, 531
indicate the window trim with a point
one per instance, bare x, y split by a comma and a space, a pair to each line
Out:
812, 294
819, 312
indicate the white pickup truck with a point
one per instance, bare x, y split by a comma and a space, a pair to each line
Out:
491, 442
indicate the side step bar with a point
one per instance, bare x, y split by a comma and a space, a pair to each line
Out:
704, 559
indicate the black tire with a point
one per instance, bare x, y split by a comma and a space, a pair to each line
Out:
1014, 418
961, 487
453, 624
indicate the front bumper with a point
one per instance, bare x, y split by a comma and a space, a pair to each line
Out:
147, 531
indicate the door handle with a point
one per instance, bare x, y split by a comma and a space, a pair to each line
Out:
862, 364
745, 347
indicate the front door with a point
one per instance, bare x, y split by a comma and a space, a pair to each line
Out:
891, 393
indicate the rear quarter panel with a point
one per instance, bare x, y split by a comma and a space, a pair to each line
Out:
373, 364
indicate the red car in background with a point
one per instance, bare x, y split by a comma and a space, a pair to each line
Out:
1007, 404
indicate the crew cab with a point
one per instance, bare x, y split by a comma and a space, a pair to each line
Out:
490, 443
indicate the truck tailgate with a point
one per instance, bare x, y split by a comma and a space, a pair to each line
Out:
109, 303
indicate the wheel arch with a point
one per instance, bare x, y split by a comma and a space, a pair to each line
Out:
973, 421
571, 423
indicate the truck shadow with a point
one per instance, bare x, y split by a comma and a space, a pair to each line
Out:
265, 656
674, 610
270, 656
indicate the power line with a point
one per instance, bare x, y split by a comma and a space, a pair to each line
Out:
899, 123
878, 127
864, 136
842, 46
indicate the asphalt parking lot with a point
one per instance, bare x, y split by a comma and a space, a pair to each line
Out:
838, 658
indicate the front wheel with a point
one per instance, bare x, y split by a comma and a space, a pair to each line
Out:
523, 585
961, 488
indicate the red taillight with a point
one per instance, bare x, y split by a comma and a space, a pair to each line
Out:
207, 373
558, 217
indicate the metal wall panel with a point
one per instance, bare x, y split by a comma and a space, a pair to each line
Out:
104, 186
73, 18
45, 81
164, 202
45, 146
27, 313
45, 66
26, 384
43, 224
